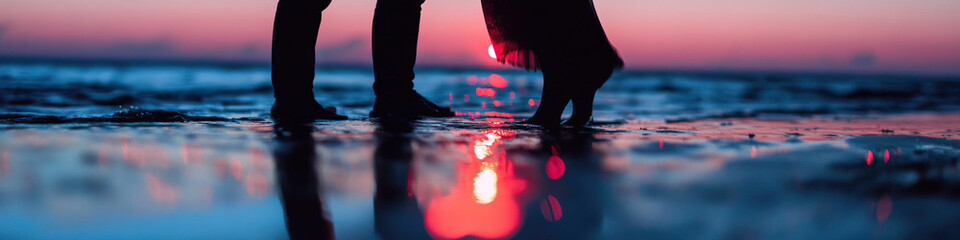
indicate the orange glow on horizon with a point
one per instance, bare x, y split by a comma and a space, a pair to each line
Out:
753, 35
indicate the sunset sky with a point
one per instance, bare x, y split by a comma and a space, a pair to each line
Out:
875, 36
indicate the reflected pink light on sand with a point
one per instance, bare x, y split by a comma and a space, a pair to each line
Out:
220, 166
498, 81
661, 143
497, 103
185, 153
483, 202
869, 157
486, 92
257, 158
161, 191
551, 209
555, 167
466, 97
256, 184
884, 208
236, 168
144, 154
124, 151
482, 148
813, 129
499, 114
485, 183
531, 102
472, 80
753, 151
103, 157
5, 162
886, 155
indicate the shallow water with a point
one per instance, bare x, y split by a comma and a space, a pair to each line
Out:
159, 152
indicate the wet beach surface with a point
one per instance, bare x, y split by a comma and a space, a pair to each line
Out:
176, 152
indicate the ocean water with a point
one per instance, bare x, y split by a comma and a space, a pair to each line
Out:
76, 91
126, 151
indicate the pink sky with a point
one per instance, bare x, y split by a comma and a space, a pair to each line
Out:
918, 36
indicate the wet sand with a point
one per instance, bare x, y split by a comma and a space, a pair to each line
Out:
187, 152
886, 177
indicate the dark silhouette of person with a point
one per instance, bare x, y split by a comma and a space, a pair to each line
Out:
295, 155
562, 38
395, 28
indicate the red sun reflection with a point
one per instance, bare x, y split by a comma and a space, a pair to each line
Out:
483, 203
498, 81
555, 167
884, 207
550, 208
486, 92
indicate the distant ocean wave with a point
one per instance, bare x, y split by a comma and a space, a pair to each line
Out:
104, 92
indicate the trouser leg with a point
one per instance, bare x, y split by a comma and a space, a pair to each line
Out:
396, 26
294, 39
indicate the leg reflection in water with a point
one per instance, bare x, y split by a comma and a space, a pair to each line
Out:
396, 211
295, 155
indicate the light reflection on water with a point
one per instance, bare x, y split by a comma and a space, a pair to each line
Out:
742, 157
362, 179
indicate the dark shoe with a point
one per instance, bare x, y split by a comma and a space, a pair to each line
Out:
303, 112
407, 105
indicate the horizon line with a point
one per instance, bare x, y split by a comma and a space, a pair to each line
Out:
225, 63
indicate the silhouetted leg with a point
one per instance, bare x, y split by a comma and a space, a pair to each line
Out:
294, 154
396, 26
396, 212
554, 97
292, 59
582, 108
584, 94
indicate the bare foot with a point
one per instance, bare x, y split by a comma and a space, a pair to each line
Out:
582, 109
551, 107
